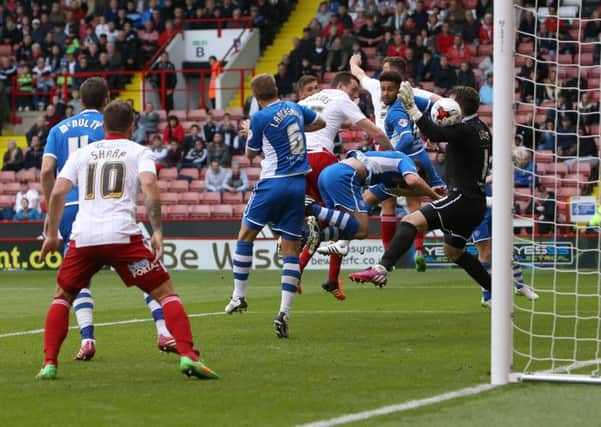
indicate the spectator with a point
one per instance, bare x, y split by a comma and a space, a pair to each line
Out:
444, 40
334, 60
356, 50
441, 164
216, 70
43, 85
524, 173
319, 55
323, 14
192, 138
592, 30
527, 28
458, 52
471, 28
228, 130
25, 88
397, 47
283, 81
174, 131
26, 213
29, 193
588, 110
455, 16
434, 26
398, 18
371, 33
548, 136
7, 71
423, 71
39, 129
13, 157
528, 131
53, 62
148, 123
196, 157
410, 64
567, 137
236, 180
169, 32
175, 154
219, 151
75, 102
209, 129
51, 116
215, 177
33, 157
444, 76
486, 91
465, 76
165, 80
483, 7
344, 16
149, 39
333, 22
486, 65
486, 30
69, 112
159, 152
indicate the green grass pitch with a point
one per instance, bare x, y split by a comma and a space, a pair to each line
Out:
423, 335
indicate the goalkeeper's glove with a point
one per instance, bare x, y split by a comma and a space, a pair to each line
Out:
406, 97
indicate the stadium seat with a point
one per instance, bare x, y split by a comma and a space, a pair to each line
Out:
7, 176
168, 174
238, 210
198, 186
163, 186
218, 114
162, 115
253, 173
178, 186
236, 113
586, 59
189, 198
200, 211
549, 181
485, 49
222, 211
232, 198
169, 198
544, 156
247, 196
583, 168
241, 160
11, 188
140, 213
526, 48
191, 172
197, 115
178, 212
180, 114
7, 201
26, 175
565, 58
210, 198
6, 50
566, 192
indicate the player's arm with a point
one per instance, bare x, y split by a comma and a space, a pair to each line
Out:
318, 123
152, 202
48, 170
254, 134
355, 67
375, 132
416, 187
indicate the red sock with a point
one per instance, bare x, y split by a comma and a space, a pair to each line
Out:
55, 329
387, 228
419, 242
334, 271
304, 258
179, 325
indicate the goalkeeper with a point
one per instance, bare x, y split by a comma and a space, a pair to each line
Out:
458, 214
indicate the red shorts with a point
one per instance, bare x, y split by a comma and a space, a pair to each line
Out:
133, 262
319, 160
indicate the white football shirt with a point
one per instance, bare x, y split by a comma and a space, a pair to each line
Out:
373, 87
335, 107
107, 175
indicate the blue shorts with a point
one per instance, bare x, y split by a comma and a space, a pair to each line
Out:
67, 220
483, 231
432, 177
280, 201
381, 192
340, 187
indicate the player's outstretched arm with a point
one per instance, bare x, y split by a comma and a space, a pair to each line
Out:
416, 187
47, 177
152, 202
355, 67
318, 123
375, 132
56, 205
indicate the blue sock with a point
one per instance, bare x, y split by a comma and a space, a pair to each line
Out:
329, 233
83, 305
157, 315
345, 222
290, 278
242, 263
518, 277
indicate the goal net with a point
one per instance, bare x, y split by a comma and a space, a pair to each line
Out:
556, 190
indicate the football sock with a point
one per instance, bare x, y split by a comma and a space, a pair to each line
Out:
179, 325
55, 329
84, 307
344, 221
157, 315
419, 243
487, 266
304, 258
334, 269
242, 263
388, 224
329, 233
402, 241
518, 277
290, 277
475, 269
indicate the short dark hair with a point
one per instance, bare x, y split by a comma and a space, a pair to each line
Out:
391, 76
305, 80
468, 99
118, 117
398, 63
94, 92
343, 77
264, 87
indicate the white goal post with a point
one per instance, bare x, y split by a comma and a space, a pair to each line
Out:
558, 337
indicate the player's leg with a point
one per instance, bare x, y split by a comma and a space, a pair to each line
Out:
484, 248
289, 281
243, 256
165, 340
471, 265
521, 288
413, 204
388, 221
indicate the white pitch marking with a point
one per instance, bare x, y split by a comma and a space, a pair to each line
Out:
401, 407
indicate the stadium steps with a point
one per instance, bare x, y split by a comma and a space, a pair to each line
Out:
21, 142
133, 90
282, 44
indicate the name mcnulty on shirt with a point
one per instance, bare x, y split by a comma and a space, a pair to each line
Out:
80, 122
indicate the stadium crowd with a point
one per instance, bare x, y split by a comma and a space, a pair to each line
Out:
443, 42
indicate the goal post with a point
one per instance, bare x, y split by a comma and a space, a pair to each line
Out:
546, 91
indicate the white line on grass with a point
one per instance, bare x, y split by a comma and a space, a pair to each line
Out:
218, 313
400, 407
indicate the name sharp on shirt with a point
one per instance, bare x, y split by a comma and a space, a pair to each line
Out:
282, 114
80, 123
107, 154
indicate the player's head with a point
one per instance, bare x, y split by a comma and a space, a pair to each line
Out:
119, 118
94, 93
348, 83
264, 88
395, 63
468, 99
307, 85
390, 83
